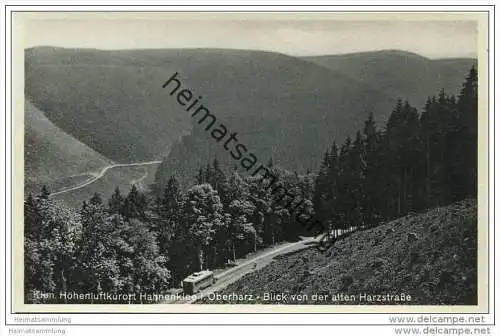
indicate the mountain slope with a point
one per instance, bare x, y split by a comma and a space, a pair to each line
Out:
52, 154
432, 257
111, 101
282, 108
291, 110
399, 73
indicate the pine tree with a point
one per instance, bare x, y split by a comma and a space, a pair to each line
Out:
96, 199
115, 204
31, 218
219, 183
322, 190
332, 180
343, 185
468, 131
200, 177
135, 204
356, 181
401, 153
169, 211
372, 174
440, 146
44, 192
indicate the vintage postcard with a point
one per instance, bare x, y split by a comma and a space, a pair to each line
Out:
217, 162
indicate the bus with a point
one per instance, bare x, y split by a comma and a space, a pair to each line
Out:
198, 281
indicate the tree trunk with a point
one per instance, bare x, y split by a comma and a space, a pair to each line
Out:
214, 261
200, 258
63, 283
255, 241
427, 175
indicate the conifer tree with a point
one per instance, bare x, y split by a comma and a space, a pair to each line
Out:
135, 204
322, 190
372, 174
467, 106
169, 211
115, 204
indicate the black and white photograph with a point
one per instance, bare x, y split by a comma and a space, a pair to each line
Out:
284, 159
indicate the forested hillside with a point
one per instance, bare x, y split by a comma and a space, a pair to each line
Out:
306, 108
114, 102
281, 107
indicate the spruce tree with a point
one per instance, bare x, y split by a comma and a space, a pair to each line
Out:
468, 121
115, 203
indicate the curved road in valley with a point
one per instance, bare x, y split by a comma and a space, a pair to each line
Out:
102, 173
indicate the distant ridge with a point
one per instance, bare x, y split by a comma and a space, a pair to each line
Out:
399, 73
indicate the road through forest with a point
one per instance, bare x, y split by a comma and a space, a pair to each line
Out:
247, 266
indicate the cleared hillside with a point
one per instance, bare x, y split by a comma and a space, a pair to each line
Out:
400, 73
51, 154
431, 256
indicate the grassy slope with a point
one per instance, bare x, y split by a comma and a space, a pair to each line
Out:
400, 74
438, 268
51, 154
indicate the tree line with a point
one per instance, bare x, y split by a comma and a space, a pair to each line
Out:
418, 161
147, 242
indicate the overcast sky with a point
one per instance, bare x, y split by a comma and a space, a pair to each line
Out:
432, 39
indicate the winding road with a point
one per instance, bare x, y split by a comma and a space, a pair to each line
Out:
229, 276
102, 173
